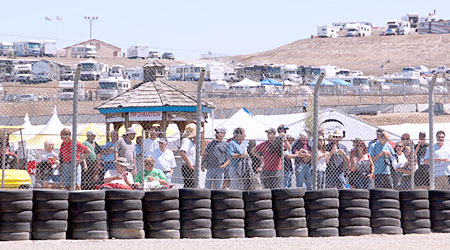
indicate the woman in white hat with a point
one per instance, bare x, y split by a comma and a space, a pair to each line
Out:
187, 153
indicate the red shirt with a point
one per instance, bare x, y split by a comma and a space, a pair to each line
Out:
65, 153
272, 161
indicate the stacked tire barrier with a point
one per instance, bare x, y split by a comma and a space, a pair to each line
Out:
228, 214
289, 212
440, 210
50, 214
354, 212
196, 213
125, 214
15, 214
322, 212
415, 209
385, 211
88, 217
161, 214
259, 214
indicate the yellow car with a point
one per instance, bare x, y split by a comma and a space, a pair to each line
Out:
15, 178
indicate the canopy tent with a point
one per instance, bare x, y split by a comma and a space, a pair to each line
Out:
270, 81
217, 85
324, 83
246, 83
341, 82
289, 83
50, 132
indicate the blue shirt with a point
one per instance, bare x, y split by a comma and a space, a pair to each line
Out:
440, 168
108, 157
235, 148
380, 166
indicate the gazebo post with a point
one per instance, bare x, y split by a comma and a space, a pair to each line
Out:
164, 124
107, 131
127, 120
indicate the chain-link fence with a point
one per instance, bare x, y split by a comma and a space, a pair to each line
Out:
255, 134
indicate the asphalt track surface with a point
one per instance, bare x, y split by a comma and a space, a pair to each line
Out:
376, 242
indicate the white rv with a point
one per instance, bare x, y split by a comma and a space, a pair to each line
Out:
6, 48
27, 48
135, 74
327, 31
405, 28
66, 91
23, 73
329, 71
84, 51
48, 48
185, 72
92, 70
45, 71
215, 72
137, 51
357, 29
412, 18
393, 27
431, 24
289, 72
230, 76
116, 71
108, 88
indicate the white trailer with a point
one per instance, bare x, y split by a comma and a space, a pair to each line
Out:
6, 48
215, 71
66, 91
357, 29
27, 48
393, 28
108, 88
48, 48
404, 28
412, 18
84, 51
116, 71
327, 31
92, 70
289, 72
45, 71
137, 51
23, 73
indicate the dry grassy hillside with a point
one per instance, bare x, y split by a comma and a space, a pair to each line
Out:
361, 53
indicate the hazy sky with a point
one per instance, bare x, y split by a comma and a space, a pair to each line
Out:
193, 27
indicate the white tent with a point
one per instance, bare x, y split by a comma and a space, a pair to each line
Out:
50, 132
246, 83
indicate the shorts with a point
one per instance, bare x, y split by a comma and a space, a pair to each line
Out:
53, 179
67, 174
226, 173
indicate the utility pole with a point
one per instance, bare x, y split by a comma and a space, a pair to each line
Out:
90, 18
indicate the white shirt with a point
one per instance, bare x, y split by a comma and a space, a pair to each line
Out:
48, 155
165, 161
188, 146
149, 146
125, 175
322, 163
440, 168
400, 162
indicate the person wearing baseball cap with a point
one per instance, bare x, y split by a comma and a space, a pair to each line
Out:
216, 160
90, 173
125, 148
164, 158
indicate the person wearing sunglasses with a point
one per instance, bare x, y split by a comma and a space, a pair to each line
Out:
441, 161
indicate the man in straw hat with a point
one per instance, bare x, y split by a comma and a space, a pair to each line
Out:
127, 149
119, 178
187, 153
338, 161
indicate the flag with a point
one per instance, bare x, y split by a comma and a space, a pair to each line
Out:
58, 18
48, 18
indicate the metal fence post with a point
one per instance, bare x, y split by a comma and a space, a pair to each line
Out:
198, 129
3, 157
431, 126
74, 128
315, 128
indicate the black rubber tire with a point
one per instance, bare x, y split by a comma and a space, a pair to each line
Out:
162, 215
89, 226
15, 227
414, 204
228, 233
298, 232
90, 235
357, 221
290, 223
123, 205
440, 224
439, 214
228, 203
289, 213
226, 194
262, 214
324, 232
387, 230
15, 195
377, 194
23, 216
419, 194
76, 207
162, 205
198, 213
50, 226
352, 212
194, 203
324, 203
415, 214
48, 235
351, 194
418, 231
355, 231
262, 224
196, 223
194, 193
16, 206
261, 233
322, 213
384, 203
324, 223
127, 234
321, 194
256, 195
118, 194
49, 194
382, 222
163, 225
363, 203
440, 205
415, 224
288, 193
126, 215
258, 205
86, 195
15, 236
229, 214
50, 205
438, 195
386, 213
131, 224
89, 216
228, 223
198, 233
160, 195
288, 203
48, 215
163, 234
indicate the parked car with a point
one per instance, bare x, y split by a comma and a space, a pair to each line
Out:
12, 98
168, 56
154, 54
28, 98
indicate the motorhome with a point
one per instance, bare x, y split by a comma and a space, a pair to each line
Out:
137, 51
66, 72
108, 88
135, 74
412, 19
23, 73
403, 84
48, 48
431, 24
185, 72
27, 48
116, 71
45, 71
358, 29
6, 48
329, 71
66, 91
230, 76
215, 71
327, 31
93, 71
289, 72
84, 51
